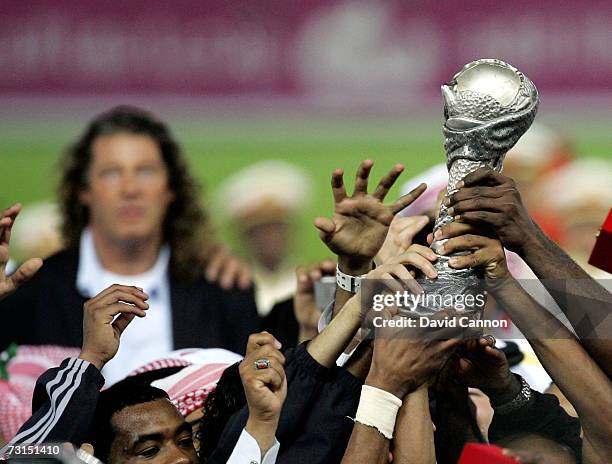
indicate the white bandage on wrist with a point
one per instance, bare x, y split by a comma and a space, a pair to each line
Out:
378, 408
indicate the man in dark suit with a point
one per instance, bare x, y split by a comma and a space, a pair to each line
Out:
131, 215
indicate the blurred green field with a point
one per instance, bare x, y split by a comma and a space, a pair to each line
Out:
216, 148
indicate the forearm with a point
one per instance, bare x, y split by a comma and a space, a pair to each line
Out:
248, 448
455, 424
584, 384
414, 439
306, 333
263, 432
562, 356
329, 344
66, 399
581, 298
375, 420
366, 445
528, 315
548, 260
359, 363
352, 267
593, 454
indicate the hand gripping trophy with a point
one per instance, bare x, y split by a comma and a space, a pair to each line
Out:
488, 106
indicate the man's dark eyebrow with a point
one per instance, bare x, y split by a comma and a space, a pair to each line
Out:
148, 437
184, 427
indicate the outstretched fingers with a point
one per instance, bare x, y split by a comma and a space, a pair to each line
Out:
408, 199
337, 185
387, 182
7, 219
363, 174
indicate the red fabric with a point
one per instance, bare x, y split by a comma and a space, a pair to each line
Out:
484, 454
601, 256
188, 388
607, 225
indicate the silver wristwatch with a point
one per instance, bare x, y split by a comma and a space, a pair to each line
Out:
521, 399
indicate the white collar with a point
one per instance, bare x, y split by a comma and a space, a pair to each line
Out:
92, 278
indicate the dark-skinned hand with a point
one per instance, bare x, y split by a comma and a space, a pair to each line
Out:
359, 225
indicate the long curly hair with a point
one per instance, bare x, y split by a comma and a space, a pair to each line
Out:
226, 399
186, 227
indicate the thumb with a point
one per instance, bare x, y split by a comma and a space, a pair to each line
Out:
326, 226
413, 226
122, 321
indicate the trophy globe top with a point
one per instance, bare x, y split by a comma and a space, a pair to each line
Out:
490, 78
485, 90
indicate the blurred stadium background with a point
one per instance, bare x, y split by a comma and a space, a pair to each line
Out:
320, 83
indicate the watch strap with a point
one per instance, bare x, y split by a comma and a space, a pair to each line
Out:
348, 283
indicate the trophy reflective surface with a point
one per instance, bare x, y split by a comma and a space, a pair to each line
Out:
488, 106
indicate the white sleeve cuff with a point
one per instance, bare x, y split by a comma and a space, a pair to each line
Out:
247, 451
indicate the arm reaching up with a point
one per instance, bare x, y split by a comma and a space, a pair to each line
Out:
566, 361
65, 397
414, 443
402, 363
265, 387
329, 344
489, 199
105, 318
360, 222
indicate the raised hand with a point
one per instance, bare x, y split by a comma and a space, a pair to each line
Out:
400, 236
306, 310
227, 269
398, 273
405, 359
487, 198
265, 387
9, 284
105, 318
360, 222
486, 252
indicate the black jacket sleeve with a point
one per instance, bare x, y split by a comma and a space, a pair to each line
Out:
64, 402
543, 416
313, 426
240, 318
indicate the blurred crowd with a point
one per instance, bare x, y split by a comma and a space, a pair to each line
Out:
132, 330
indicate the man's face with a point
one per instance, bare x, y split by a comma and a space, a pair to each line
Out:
152, 432
268, 243
128, 193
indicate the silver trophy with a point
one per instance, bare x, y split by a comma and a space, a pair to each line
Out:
488, 106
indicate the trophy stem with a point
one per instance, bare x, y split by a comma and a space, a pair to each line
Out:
488, 106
